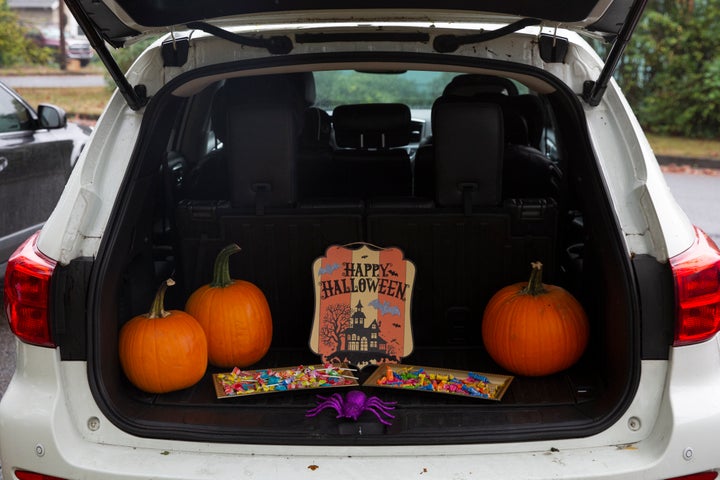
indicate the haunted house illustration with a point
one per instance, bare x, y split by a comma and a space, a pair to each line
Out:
360, 338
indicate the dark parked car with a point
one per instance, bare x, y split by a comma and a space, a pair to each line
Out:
37, 152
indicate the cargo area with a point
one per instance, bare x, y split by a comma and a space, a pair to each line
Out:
473, 182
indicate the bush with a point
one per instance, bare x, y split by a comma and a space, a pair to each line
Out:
15, 47
671, 71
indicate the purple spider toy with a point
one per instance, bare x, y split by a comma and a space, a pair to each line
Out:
354, 404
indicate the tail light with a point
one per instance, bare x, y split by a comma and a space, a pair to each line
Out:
697, 291
697, 476
27, 294
24, 475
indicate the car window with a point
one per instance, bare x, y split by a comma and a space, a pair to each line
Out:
417, 89
14, 116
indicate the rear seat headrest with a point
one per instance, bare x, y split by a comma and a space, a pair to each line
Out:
294, 89
516, 129
470, 84
523, 115
376, 125
317, 129
468, 142
531, 109
307, 82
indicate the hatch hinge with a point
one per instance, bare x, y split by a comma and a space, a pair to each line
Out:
552, 48
136, 97
175, 51
593, 91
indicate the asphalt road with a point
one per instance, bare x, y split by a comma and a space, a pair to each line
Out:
699, 196
7, 354
53, 81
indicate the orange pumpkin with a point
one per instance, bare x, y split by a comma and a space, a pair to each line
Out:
163, 351
534, 329
234, 314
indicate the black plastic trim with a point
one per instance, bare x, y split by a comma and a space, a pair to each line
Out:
450, 43
69, 309
657, 294
277, 45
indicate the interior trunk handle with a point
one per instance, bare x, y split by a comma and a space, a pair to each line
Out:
3, 163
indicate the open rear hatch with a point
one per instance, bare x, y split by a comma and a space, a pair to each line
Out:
118, 22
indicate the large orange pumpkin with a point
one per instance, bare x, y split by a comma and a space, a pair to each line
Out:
234, 314
163, 351
534, 329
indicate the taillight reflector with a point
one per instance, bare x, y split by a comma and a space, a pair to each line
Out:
27, 294
24, 475
697, 476
697, 291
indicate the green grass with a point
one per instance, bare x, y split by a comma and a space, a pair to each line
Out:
87, 102
685, 147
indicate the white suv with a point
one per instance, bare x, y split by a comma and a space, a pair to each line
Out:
474, 137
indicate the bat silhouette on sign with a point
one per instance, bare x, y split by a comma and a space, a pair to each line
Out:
328, 269
385, 307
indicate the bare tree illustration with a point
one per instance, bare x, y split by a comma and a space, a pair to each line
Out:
392, 348
336, 319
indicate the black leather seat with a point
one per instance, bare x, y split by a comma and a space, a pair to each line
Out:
372, 158
280, 238
467, 219
527, 172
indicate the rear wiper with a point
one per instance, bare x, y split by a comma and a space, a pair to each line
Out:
450, 43
279, 45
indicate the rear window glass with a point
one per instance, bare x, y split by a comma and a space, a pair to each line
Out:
416, 89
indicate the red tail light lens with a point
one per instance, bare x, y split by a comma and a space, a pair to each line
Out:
697, 291
27, 294
23, 475
697, 476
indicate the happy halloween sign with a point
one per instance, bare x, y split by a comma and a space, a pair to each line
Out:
362, 305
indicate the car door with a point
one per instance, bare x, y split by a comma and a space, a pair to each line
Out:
34, 166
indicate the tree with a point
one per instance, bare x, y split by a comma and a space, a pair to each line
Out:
671, 70
15, 46
336, 320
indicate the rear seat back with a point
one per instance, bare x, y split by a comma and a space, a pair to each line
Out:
468, 153
315, 172
279, 238
372, 158
465, 224
264, 121
528, 173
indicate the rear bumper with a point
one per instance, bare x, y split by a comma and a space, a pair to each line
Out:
41, 430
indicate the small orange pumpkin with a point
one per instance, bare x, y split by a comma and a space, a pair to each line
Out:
163, 351
535, 329
234, 314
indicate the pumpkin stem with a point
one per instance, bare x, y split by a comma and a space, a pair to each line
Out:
221, 271
535, 285
157, 310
